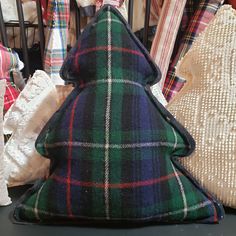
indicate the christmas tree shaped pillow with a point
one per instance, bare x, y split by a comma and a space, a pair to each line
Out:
112, 146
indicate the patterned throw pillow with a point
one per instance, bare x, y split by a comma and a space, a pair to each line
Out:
25, 119
113, 147
207, 106
4, 199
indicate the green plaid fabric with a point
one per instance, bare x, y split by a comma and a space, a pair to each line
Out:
112, 146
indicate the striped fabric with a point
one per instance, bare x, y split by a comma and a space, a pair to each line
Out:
112, 146
56, 40
166, 33
199, 15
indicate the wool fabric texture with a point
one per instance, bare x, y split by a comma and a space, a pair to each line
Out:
206, 106
197, 16
112, 146
4, 199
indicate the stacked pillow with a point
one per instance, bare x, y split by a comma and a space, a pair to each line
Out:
113, 148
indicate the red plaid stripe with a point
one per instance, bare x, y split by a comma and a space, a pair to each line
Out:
117, 185
68, 196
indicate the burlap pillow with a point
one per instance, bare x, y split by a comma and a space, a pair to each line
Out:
207, 106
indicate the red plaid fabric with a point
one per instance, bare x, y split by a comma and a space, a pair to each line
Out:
199, 15
8, 61
56, 41
10, 96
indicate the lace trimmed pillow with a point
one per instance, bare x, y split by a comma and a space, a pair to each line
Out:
207, 106
4, 199
35, 105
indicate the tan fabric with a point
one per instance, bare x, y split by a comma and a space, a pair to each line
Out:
207, 106
25, 119
4, 199
139, 13
62, 92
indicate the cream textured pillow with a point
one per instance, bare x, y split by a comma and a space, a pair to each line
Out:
25, 119
207, 106
4, 199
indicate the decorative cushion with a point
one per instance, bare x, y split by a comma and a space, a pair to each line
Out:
206, 106
4, 199
112, 146
25, 119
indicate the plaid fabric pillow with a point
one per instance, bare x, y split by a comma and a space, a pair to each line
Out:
112, 146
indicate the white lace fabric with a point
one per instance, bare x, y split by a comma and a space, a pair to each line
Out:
206, 106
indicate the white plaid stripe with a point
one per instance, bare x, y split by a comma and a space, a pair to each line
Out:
185, 209
36, 212
112, 146
171, 213
107, 119
110, 81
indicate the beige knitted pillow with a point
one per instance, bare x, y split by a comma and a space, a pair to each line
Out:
207, 106
4, 199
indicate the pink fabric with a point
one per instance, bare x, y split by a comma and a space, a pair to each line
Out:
166, 34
